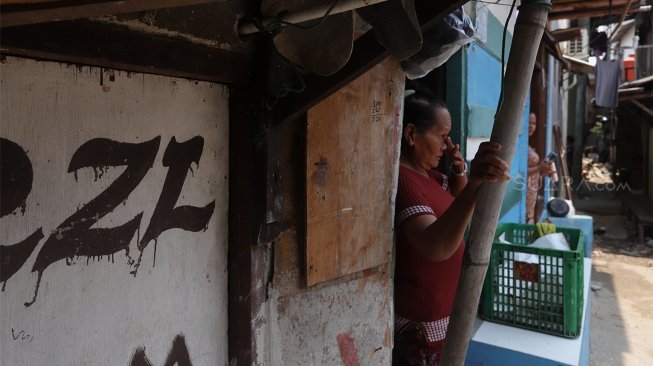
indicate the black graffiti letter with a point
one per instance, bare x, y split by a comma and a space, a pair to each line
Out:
16, 176
178, 158
74, 237
178, 355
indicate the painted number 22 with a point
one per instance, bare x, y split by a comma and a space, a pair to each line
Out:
75, 236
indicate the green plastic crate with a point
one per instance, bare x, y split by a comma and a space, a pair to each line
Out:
546, 297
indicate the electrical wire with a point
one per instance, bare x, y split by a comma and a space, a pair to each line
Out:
271, 30
274, 27
503, 52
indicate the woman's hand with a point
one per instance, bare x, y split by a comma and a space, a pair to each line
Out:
487, 166
457, 159
546, 168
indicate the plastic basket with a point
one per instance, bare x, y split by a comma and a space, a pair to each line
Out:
546, 296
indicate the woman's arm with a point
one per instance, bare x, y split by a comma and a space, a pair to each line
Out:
439, 238
458, 183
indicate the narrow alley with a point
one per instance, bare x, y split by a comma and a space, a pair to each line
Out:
622, 283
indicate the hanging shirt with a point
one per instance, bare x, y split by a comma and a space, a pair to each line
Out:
608, 74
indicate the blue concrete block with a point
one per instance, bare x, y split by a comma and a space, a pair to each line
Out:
482, 354
501, 345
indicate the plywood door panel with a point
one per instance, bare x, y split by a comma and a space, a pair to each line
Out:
352, 159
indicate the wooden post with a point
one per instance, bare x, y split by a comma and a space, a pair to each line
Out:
527, 36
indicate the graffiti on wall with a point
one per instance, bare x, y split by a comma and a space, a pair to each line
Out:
76, 237
178, 355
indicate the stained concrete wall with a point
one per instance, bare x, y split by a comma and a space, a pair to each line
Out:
114, 217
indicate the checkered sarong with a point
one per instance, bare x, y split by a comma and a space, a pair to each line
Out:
418, 343
435, 330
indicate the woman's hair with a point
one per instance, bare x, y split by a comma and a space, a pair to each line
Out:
419, 109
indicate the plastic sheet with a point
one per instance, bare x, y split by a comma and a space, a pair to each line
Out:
440, 43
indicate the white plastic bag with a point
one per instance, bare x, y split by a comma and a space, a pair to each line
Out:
555, 241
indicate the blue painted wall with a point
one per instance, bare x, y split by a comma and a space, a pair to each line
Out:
483, 85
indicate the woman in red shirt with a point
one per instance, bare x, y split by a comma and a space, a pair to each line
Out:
432, 212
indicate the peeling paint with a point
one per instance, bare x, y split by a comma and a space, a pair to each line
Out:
347, 348
387, 340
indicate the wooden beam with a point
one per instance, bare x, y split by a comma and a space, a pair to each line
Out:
107, 45
621, 20
631, 90
585, 5
366, 54
630, 97
566, 34
549, 40
593, 13
634, 115
644, 108
638, 82
14, 14
14, 2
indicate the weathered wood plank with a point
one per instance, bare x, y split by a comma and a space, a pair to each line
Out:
352, 148
584, 4
21, 12
107, 45
599, 11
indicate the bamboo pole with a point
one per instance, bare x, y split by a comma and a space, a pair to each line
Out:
529, 28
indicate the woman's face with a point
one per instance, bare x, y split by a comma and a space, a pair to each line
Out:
532, 124
430, 145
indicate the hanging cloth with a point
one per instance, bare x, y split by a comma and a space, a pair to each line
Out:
608, 75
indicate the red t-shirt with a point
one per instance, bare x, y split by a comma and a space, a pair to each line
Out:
424, 290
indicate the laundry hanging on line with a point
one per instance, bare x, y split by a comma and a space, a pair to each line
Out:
608, 77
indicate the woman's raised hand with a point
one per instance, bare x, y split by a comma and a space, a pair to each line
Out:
487, 166
453, 153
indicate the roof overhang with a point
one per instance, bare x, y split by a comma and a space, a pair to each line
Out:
578, 65
551, 43
638, 92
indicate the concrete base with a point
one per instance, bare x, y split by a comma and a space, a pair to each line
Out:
501, 345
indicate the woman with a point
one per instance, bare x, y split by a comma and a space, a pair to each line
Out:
432, 213
536, 170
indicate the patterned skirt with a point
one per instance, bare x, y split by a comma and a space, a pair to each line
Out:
418, 343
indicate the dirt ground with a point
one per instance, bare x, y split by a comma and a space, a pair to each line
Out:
622, 293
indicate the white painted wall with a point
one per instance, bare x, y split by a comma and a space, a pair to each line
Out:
499, 11
92, 311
